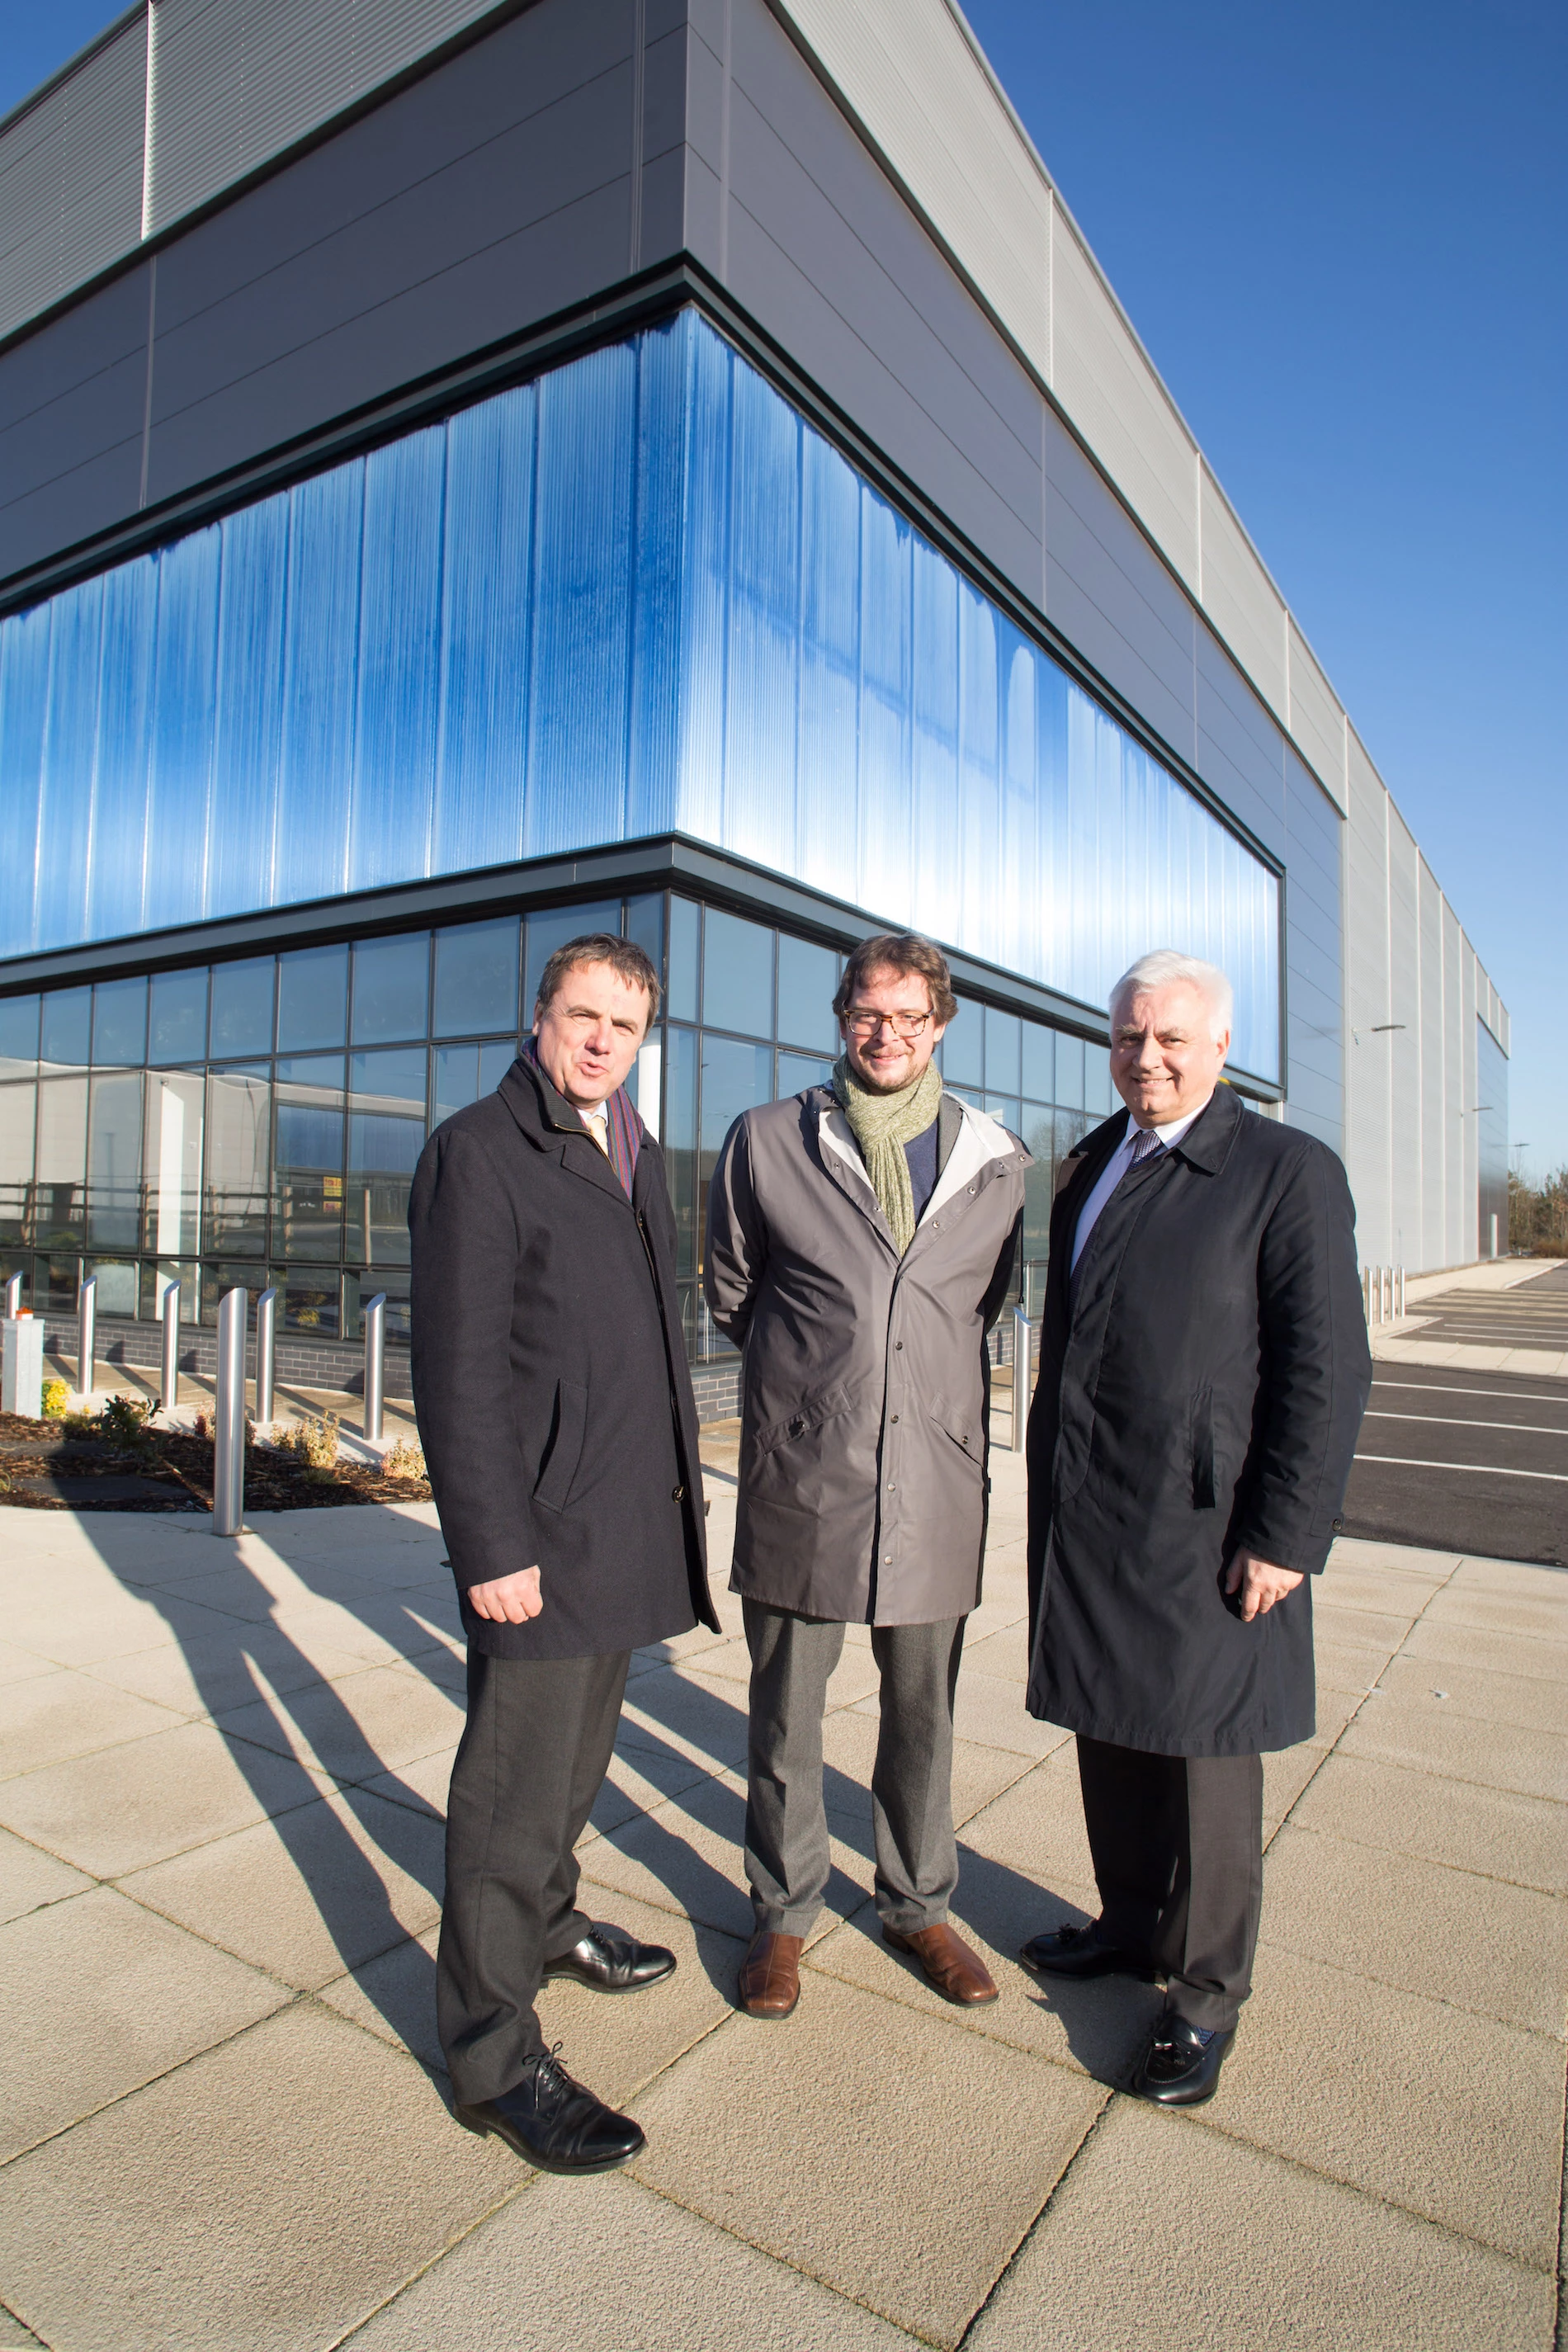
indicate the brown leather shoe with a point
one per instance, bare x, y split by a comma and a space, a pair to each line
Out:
769, 1981
948, 1965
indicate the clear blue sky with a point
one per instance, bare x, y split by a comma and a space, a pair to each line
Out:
1341, 231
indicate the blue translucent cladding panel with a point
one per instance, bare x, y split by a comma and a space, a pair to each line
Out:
326, 523
487, 619
183, 732
399, 661
247, 726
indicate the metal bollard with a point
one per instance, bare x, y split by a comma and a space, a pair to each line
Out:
1022, 1374
12, 1298
374, 1365
1387, 1289
229, 1450
265, 1355
86, 1333
1399, 1292
170, 1310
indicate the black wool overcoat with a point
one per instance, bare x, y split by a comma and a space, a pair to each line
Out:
1200, 1389
550, 1378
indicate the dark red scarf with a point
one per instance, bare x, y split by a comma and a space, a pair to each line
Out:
623, 1128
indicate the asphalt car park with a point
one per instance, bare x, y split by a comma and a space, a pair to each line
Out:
1456, 1460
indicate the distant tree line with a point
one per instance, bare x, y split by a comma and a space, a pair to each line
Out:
1538, 1215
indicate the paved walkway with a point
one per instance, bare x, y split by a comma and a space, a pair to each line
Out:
1508, 1316
223, 2105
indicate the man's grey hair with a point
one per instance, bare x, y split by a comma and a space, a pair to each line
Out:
1163, 966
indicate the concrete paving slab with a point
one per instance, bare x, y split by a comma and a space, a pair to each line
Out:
1286, 1773
67, 1714
1350, 1667
139, 1804
1494, 1949
676, 1711
362, 1724
1372, 1552
29, 1878
1530, 1702
99, 1996
211, 1672
1497, 1612
991, 1712
1002, 1654
1371, 2095
1481, 1645
423, 1784
321, 1888
1377, 1592
1423, 1732
620, 2044
604, 2264
1494, 1831
1177, 2239
394, 1996
266, 2196
943, 2148
1521, 1577
637, 1782
1373, 1630
84, 1620
20, 1665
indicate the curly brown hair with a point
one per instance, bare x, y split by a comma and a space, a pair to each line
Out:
904, 952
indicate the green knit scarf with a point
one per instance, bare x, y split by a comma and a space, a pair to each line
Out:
882, 1125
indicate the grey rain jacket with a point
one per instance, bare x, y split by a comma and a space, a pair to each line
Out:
866, 1385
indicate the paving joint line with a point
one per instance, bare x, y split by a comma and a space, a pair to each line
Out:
1091, 2129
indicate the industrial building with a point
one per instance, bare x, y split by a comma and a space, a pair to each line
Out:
473, 474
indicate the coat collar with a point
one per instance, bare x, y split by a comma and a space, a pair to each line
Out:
973, 1141
1206, 1143
549, 1122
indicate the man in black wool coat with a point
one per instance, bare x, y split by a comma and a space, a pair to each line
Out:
556, 1413
1204, 1369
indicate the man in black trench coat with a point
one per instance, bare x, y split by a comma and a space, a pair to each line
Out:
557, 1418
1204, 1372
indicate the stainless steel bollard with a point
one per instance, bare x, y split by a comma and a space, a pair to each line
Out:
1385, 1293
265, 1355
374, 1365
1023, 1376
86, 1333
1399, 1293
12, 1298
229, 1451
170, 1310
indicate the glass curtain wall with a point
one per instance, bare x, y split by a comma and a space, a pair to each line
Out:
259, 1121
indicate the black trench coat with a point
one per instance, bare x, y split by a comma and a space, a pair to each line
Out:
550, 1378
1203, 1393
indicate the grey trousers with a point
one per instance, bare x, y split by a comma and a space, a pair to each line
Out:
1177, 1844
787, 1857
534, 1752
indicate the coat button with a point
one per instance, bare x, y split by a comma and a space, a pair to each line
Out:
678, 1494
895, 1416
797, 1426
899, 1346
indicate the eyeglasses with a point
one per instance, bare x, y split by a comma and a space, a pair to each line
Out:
905, 1025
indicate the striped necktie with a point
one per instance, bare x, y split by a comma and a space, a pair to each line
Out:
1148, 1143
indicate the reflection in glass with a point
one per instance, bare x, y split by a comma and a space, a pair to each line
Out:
737, 975
1099, 1096
456, 1075
308, 1158
18, 1116
476, 978
680, 1141
218, 1279
807, 977
19, 1036
177, 1024
1039, 1137
644, 927
684, 934
1004, 1051
172, 1163
238, 1160
114, 1162
646, 1084
386, 1135
242, 1008
58, 1208
156, 1275
66, 1016
120, 1021
495, 1060
310, 1306
61, 1283
734, 1078
962, 1047
392, 982
116, 1285
1039, 1075
798, 1071
552, 929
392, 1280
1070, 1073
312, 998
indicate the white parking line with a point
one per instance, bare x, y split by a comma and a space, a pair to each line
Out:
1484, 1469
1458, 1421
1451, 1388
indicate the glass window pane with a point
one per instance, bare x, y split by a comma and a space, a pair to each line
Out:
457, 1076
1008, 1109
116, 1285
19, 1112
392, 987
808, 976
645, 1083
737, 975
312, 998
1098, 1097
172, 1166
679, 1138
1003, 1052
962, 1048
19, 1036
644, 927
685, 933
156, 1275
1070, 1128
396, 1076
60, 1285
242, 1008
798, 1071
555, 928
1039, 1182
1038, 1076
58, 1204
120, 1021
495, 1060
1069, 1073
392, 1281
734, 1077
311, 1305
114, 1162
239, 1152
177, 1024
308, 1158
386, 1135
476, 978
67, 1014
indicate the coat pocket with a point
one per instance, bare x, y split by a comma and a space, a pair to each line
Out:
807, 1417
564, 1450
964, 1425
1202, 1450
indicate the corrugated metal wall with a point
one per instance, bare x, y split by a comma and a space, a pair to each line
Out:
70, 177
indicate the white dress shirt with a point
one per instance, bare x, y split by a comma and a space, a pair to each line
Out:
1116, 1168
596, 1119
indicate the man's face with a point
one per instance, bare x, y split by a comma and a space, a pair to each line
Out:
587, 1035
1165, 1058
887, 1005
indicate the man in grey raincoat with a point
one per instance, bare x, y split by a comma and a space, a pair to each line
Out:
860, 1241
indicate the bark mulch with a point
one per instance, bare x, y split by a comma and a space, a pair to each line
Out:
44, 1467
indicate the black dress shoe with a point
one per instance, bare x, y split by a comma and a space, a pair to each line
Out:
1181, 2066
613, 1962
553, 2123
1082, 1952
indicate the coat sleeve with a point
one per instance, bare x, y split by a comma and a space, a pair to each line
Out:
1316, 1369
465, 1248
735, 1249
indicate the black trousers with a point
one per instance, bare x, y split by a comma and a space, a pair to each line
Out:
1177, 1844
534, 1752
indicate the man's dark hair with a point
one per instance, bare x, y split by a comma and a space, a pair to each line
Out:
904, 953
623, 956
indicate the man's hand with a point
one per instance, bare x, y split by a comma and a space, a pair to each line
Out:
509, 1600
1259, 1584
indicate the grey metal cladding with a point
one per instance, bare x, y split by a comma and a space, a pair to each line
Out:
70, 179
72, 397
1240, 750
